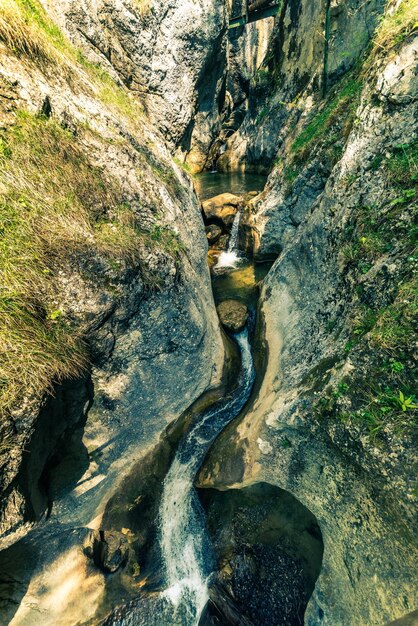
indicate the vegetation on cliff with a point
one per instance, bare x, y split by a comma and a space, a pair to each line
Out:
57, 207
381, 317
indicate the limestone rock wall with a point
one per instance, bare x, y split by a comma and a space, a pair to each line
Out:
294, 71
170, 54
323, 425
151, 325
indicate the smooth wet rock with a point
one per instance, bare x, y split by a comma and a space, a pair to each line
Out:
222, 243
233, 315
223, 208
213, 232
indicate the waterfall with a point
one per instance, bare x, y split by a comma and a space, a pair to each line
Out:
230, 257
185, 548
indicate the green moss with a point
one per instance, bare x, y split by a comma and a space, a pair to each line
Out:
167, 239
376, 230
184, 166
342, 103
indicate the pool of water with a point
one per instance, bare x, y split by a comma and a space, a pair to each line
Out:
234, 276
210, 184
240, 283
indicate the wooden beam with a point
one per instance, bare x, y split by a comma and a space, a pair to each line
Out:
254, 16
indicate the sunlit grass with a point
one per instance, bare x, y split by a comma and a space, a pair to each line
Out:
28, 32
399, 22
54, 204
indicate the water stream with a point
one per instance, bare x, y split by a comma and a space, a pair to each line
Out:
230, 257
46, 585
184, 545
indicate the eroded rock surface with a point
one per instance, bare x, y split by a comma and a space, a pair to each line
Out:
222, 208
336, 213
151, 324
171, 54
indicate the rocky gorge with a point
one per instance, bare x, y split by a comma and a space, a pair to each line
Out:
193, 435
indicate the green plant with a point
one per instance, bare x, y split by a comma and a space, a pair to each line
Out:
28, 32
343, 102
55, 206
406, 404
394, 329
341, 390
396, 366
402, 165
184, 166
285, 443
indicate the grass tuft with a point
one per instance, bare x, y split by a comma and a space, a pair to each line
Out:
25, 36
54, 206
399, 22
27, 31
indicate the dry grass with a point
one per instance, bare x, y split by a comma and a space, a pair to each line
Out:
143, 6
53, 204
25, 36
399, 22
28, 32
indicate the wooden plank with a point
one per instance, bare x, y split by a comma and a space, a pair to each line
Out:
241, 20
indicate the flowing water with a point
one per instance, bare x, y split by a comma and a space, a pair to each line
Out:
184, 545
230, 258
47, 573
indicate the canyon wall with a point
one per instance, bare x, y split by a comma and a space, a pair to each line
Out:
170, 54
330, 423
123, 268
294, 71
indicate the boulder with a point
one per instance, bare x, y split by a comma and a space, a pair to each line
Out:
233, 315
213, 232
222, 208
109, 550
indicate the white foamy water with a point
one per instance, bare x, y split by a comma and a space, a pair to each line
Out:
185, 547
230, 257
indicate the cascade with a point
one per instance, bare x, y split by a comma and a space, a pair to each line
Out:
230, 257
184, 545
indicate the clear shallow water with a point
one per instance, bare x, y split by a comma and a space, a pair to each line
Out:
185, 548
234, 273
241, 282
210, 184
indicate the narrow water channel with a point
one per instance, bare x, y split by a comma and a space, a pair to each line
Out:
185, 548
68, 589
